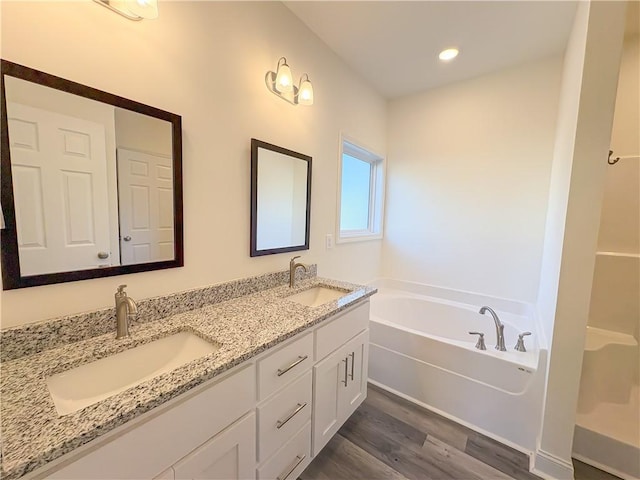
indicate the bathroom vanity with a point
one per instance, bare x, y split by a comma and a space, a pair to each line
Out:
290, 367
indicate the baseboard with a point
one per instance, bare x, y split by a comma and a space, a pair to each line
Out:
551, 467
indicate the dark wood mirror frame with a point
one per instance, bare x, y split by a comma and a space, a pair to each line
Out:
254, 251
11, 277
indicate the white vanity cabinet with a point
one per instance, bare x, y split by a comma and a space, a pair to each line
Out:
265, 419
340, 387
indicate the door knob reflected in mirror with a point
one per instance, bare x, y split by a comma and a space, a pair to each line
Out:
127, 238
103, 255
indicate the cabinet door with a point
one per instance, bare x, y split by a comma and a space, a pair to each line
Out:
329, 376
353, 394
230, 455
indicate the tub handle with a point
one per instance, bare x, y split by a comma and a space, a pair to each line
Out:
480, 345
520, 343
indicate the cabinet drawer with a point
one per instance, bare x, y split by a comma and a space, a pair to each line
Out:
283, 415
339, 331
289, 462
279, 368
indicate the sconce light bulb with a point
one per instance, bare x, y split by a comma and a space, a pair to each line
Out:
284, 82
305, 93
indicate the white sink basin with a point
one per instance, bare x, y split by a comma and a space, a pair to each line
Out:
87, 384
315, 296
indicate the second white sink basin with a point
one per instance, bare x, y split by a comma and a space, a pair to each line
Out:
315, 296
88, 384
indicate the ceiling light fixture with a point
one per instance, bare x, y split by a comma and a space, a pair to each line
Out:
281, 84
448, 54
135, 10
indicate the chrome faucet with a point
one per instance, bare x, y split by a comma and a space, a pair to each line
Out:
499, 328
292, 270
125, 308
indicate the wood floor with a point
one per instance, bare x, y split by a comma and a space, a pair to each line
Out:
392, 439
583, 471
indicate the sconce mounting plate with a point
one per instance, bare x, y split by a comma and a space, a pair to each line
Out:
270, 80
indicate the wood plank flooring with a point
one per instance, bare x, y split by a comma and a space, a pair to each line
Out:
391, 438
582, 471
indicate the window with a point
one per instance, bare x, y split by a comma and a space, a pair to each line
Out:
361, 193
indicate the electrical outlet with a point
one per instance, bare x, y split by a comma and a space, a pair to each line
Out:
329, 241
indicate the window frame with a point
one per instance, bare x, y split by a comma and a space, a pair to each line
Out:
374, 230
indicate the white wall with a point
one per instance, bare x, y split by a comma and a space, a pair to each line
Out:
620, 219
205, 61
615, 300
281, 197
468, 174
577, 182
135, 131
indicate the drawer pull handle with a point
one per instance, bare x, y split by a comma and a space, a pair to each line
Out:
353, 361
298, 361
280, 423
346, 369
297, 461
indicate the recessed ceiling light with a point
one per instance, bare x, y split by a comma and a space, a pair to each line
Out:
448, 54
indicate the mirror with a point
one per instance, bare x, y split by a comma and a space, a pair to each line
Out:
91, 182
280, 199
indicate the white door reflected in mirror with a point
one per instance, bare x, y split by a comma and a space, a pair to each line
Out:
60, 190
145, 188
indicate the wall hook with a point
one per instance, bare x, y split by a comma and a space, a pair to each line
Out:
612, 161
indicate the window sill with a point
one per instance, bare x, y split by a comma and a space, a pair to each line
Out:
358, 237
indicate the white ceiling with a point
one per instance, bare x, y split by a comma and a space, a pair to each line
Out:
395, 44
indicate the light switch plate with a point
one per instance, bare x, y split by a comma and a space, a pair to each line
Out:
329, 241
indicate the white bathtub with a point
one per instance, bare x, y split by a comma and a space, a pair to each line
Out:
420, 348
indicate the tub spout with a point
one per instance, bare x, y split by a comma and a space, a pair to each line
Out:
499, 328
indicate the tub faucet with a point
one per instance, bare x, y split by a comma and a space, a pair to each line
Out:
125, 308
292, 270
499, 328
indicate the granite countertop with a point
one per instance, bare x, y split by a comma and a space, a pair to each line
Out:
33, 433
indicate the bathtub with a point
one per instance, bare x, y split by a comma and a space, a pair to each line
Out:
420, 349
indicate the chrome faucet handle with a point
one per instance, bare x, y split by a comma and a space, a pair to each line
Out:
294, 259
121, 289
480, 345
520, 343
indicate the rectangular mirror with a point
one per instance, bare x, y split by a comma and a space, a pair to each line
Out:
91, 182
280, 199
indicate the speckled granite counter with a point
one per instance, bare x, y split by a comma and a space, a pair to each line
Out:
32, 432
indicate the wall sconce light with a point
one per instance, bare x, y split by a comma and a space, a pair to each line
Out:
135, 10
281, 84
